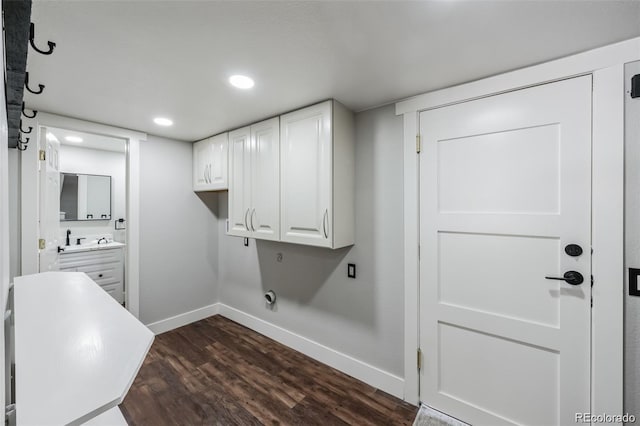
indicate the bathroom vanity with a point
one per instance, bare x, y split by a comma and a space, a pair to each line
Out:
103, 263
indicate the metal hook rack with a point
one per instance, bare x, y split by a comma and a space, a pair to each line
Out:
27, 115
51, 44
23, 145
25, 131
26, 85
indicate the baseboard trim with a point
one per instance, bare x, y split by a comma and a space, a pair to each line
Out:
186, 318
369, 374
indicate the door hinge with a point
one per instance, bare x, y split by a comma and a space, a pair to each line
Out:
42, 155
418, 144
42, 243
419, 358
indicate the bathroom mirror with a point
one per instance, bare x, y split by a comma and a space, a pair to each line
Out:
85, 197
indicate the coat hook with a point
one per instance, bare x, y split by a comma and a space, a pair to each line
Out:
29, 116
51, 44
26, 84
22, 146
25, 131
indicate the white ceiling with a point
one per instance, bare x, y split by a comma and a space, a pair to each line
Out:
89, 140
125, 62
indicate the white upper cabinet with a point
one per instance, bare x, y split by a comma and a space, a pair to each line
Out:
317, 185
254, 183
239, 181
265, 180
210, 160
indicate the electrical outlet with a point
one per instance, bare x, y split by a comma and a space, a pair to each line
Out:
351, 270
246, 242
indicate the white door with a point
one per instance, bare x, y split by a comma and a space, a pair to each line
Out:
49, 214
239, 182
218, 163
201, 160
264, 218
505, 187
306, 169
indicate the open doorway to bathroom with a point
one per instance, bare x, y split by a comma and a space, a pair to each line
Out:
83, 206
33, 200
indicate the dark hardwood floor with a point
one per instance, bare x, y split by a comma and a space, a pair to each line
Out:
217, 372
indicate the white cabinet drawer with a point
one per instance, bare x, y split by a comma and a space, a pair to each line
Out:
92, 257
105, 267
100, 273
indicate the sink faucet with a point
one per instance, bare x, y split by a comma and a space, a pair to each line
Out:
68, 234
103, 239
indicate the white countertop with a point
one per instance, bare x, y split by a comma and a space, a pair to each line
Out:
77, 350
91, 246
113, 417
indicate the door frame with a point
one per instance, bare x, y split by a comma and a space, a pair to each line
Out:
606, 65
30, 190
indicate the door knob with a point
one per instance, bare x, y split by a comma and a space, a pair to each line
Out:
573, 250
570, 277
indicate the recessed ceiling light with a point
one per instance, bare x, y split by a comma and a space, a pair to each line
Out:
73, 139
241, 81
161, 121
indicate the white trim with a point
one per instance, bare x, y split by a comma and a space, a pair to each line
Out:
411, 261
607, 314
186, 318
369, 374
29, 198
29, 206
132, 252
607, 324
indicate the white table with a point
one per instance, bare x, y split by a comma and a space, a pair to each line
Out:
77, 350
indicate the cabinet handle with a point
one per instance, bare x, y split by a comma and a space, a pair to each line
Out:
246, 225
252, 213
325, 223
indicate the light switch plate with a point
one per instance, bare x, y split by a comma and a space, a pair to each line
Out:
634, 274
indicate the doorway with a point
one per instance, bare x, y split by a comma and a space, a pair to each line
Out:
505, 265
83, 206
30, 192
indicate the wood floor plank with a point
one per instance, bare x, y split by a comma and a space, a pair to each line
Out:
217, 372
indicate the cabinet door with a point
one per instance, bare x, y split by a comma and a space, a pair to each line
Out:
306, 169
264, 218
201, 159
239, 182
218, 154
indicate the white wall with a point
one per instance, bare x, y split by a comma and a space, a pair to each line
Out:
97, 162
632, 248
4, 228
178, 234
14, 213
362, 318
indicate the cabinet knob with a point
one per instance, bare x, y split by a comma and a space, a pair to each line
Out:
99, 275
